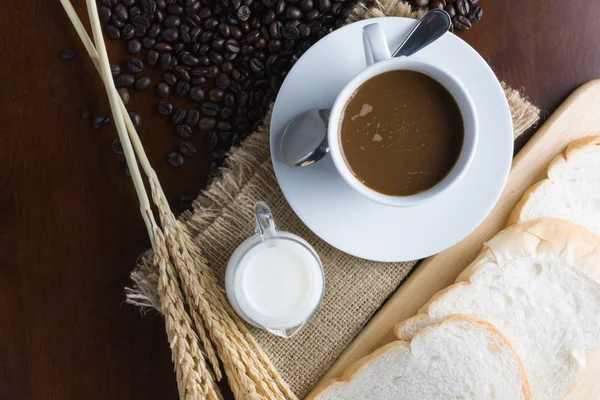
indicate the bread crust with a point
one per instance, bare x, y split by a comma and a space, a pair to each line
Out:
351, 371
565, 156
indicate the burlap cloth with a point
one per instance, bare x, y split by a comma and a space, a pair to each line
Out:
222, 218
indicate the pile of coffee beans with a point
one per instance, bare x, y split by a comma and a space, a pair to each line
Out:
228, 58
463, 12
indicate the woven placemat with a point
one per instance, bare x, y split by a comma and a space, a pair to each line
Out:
222, 218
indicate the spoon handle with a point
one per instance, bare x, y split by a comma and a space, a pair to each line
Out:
434, 24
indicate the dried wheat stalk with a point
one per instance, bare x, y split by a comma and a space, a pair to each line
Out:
251, 374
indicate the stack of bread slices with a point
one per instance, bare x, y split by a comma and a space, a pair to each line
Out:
519, 319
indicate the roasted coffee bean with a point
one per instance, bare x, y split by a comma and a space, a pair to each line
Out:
437, 4
199, 80
224, 126
260, 44
232, 46
213, 70
306, 5
172, 21
236, 141
227, 66
206, 124
462, 7
170, 78
175, 159
312, 14
162, 90
275, 29
236, 75
211, 24
170, 34
152, 57
222, 81
269, 16
115, 70
124, 95
142, 83
117, 147
136, 119
85, 112
224, 29
116, 21
163, 46
126, 170
149, 7
209, 109
243, 13
164, 61
182, 73
134, 46
421, 3
252, 37
247, 49
133, 11
184, 130
135, 65
206, 37
289, 31
450, 10
213, 140
187, 148
148, 42
164, 108
190, 60
229, 100
109, 3
175, 9
128, 32
113, 32
293, 12
475, 14
257, 66
104, 13
215, 57
236, 32
182, 88
99, 122
192, 117
275, 45
121, 12
280, 7
226, 113
473, 2
461, 23
242, 101
271, 60
178, 115
216, 95
140, 22
124, 80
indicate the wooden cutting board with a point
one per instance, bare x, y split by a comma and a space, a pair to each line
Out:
577, 117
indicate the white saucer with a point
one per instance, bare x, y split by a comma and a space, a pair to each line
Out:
356, 225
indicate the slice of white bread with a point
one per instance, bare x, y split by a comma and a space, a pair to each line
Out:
459, 358
570, 191
536, 282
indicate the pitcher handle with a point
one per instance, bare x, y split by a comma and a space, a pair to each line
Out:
265, 224
376, 46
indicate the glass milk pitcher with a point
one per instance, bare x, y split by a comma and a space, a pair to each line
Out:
274, 280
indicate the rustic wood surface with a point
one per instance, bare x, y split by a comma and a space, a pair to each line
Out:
70, 230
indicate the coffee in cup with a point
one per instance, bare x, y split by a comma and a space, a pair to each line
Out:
401, 133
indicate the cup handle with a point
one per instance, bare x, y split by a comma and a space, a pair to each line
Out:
376, 46
265, 224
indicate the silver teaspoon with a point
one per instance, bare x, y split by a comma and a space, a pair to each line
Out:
304, 140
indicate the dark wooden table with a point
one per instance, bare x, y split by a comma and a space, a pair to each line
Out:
70, 231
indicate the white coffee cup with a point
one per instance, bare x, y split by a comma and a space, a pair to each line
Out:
379, 61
